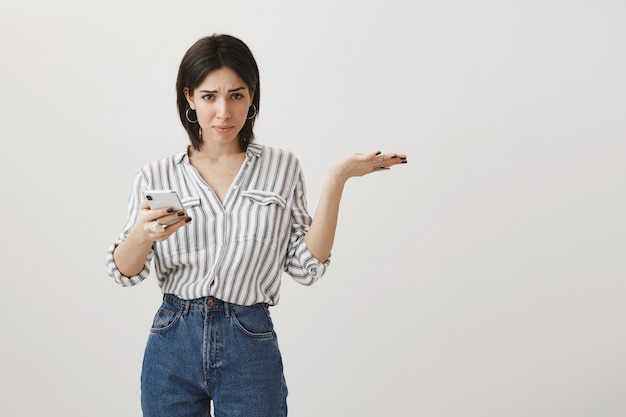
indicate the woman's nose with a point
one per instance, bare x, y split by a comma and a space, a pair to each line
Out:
223, 109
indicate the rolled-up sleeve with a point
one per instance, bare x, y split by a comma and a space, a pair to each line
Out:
300, 264
133, 209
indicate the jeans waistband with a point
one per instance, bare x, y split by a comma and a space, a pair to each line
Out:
203, 304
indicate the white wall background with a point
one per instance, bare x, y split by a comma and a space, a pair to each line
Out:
484, 278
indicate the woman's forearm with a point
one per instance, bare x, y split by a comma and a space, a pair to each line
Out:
321, 235
130, 255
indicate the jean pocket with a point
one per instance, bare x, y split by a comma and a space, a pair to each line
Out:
165, 319
253, 321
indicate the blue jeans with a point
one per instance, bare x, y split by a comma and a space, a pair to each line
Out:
207, 350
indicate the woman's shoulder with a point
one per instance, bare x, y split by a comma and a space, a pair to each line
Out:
266, 151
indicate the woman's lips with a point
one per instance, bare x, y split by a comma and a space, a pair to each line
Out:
223, 129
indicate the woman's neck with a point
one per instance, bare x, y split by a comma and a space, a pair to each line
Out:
215, 152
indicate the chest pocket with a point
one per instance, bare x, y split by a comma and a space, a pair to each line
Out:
186, 239
265, 212
265, 198
190, 202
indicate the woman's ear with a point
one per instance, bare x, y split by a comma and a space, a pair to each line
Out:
189, 96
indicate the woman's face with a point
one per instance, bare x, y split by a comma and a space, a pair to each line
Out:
221, 102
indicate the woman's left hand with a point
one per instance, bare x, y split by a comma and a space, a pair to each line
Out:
320, 237
358, 164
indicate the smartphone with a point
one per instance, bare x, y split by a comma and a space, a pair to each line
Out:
163, 199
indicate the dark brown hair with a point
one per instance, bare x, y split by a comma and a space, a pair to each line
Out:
209, 54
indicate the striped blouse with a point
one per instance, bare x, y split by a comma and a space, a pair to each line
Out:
235, 251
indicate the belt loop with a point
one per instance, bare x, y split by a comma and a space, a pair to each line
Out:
226, 309
186, 307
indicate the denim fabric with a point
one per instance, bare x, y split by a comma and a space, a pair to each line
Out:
206, 350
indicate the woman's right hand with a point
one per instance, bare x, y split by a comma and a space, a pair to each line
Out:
130, 256
149, 220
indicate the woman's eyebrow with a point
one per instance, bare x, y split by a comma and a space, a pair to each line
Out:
230, 91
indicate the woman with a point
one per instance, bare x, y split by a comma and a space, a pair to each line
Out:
244, 222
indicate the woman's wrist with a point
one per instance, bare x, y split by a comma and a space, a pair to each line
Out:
337, 176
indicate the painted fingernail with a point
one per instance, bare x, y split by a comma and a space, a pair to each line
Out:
181, 213
395, 156
188, 219
378, 153
404, 162
169, 210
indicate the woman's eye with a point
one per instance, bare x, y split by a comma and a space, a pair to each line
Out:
208, 97
237, 96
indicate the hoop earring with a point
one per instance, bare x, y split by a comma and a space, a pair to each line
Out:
254, 115
188, 119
